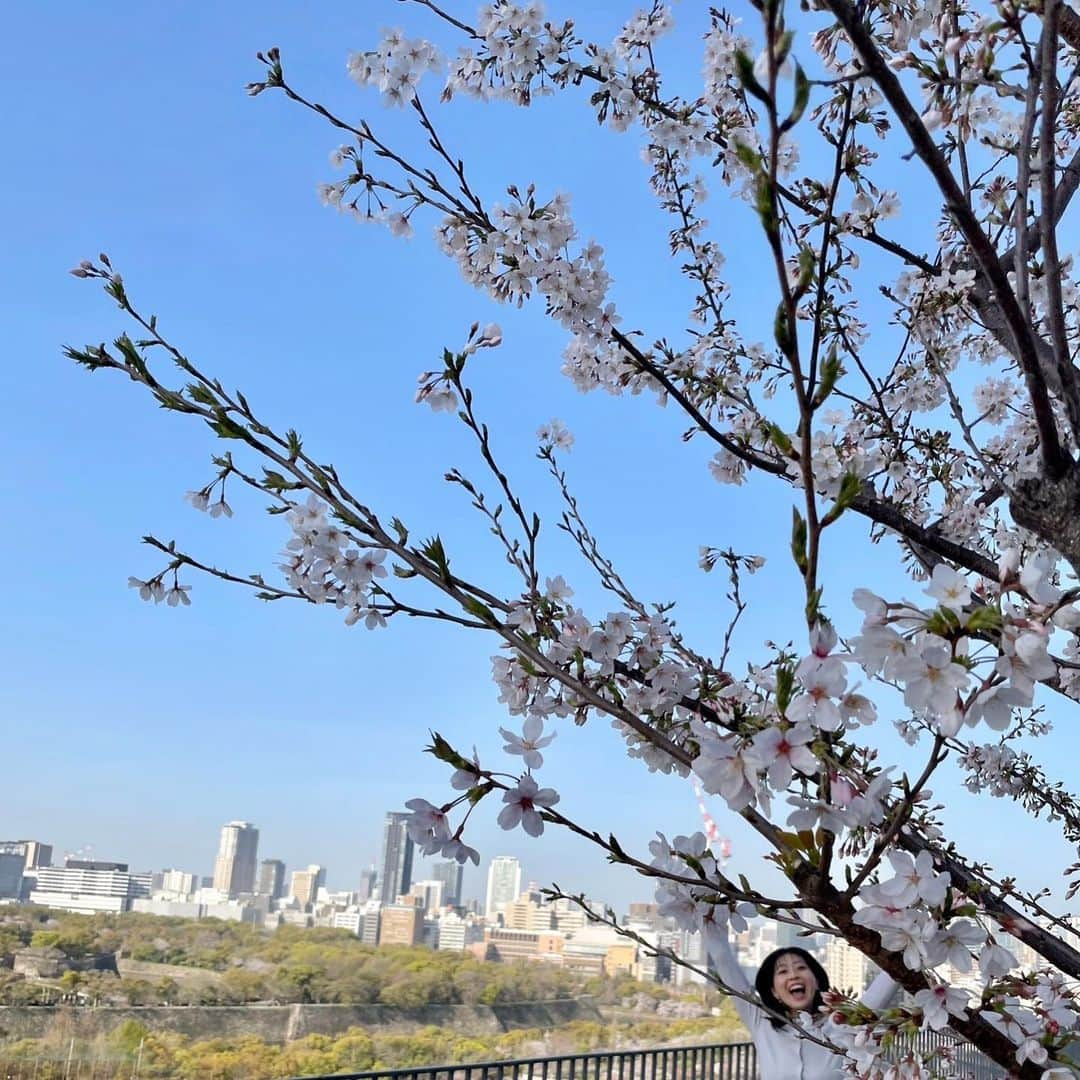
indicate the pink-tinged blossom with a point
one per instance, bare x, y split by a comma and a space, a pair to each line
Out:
857, 708
879, 649
823, 679
725, 767
455, 848
556, 590
529, 743
822, 639
148, 590
1036, 578
427, 825
814, 813
605, 643
467, 777
915, 880
780, 752
1008, 564
556, 435
177, 595
932, 678
995, 706
939, 1002
1032, 1050
872, 606
953, 944
995, 960
949, 588
523, 805
1025, 660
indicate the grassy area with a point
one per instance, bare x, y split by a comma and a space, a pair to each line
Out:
134, 1051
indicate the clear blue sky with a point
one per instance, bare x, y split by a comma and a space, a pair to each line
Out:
140, 730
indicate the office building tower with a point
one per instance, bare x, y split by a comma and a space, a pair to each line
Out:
395, 877
234, 869
271, 879
367, 884
503, 884
401, 924
178, 882
450, 873
306, 884
849, 970
12, 864
430, 894
33, 852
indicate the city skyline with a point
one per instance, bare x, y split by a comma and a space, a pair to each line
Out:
237, 860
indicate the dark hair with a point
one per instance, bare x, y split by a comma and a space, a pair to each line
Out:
763, 983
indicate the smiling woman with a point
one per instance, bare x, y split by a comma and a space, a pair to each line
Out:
793, 1031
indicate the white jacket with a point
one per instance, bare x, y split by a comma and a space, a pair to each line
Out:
782, 1054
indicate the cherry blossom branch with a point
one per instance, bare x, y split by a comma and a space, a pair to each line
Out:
1047, 217
607, 918
1054, 457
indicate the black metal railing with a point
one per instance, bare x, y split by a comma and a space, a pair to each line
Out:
721, 1061
718, 1061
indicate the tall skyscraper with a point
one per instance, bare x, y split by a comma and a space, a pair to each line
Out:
397, 858
503, 884
367, 884
234, 869
305, 884
450, 874
271, 879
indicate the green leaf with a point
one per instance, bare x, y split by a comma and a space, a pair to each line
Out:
807, 262
226, 428
198, 392
831, 370
275, 481
783, 331
127, 350
295, 445
763, 203
785, 686
475, 794
748, 156
433, 549
441, 749
850, 487
802, 99
745, 67
984, 618
798, 539
783, 49
780, 438
481, 611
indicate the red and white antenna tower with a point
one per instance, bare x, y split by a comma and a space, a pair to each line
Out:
719, 845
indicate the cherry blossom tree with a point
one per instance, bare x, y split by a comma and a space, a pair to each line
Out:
953, 433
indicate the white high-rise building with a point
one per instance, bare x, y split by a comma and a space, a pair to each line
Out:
234, 868
430, 893
848, 968
503, 884
179, 882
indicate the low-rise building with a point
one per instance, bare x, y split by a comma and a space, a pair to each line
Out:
401, 924
505, 944
89, 887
